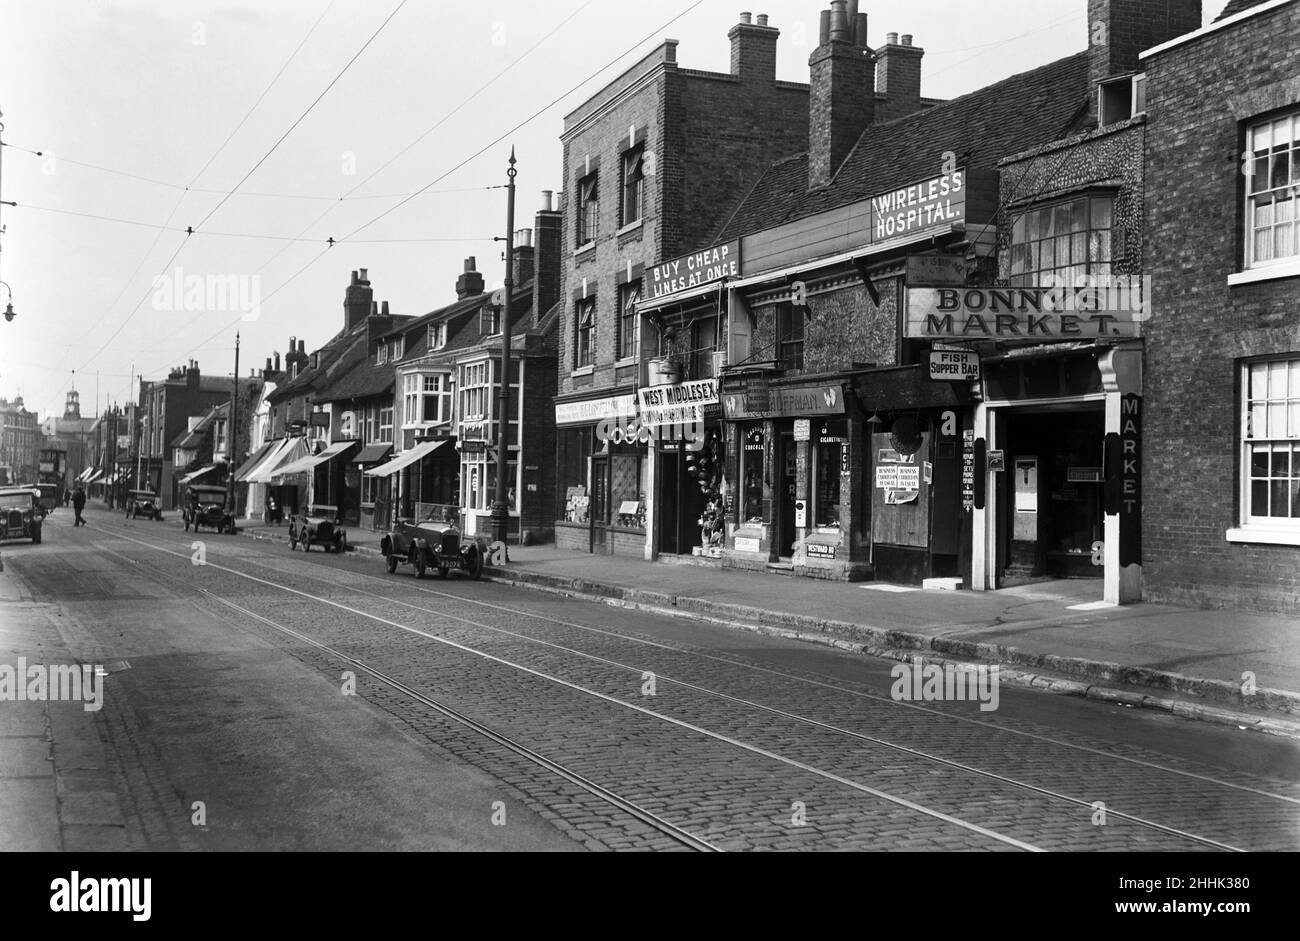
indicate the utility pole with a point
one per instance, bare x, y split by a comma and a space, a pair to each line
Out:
231, 448
500, 508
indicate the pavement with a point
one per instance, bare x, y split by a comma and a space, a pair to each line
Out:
1223, 666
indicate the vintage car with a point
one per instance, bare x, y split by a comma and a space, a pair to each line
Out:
205, 505
308, 531
21, 514
431, 545
143, 503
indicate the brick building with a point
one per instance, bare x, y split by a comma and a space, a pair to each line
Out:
20, 440
1221, 467
652, 163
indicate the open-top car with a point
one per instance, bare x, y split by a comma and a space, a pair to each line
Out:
317, 530
205, 505
21, 514
432, 545
143, 503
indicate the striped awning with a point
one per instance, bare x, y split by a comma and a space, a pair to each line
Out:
305, 465
406, 458
201, 472
254, 460
289, 450
95, 476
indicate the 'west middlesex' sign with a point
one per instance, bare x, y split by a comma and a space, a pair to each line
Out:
678, 404
1114, 309
692, 271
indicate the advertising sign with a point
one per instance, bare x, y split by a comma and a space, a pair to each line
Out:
594, 410
1116, 308
787, 402
692, 271
677, 404
951, 366
912, 209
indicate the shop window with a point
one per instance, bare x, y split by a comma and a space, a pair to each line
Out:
588, 209
585, 336
1271, 443
386, 425
1064, 243
1272, 233
475, 391
704, 342
789, 332
629, 297
753, 456
573, 451
627, 487
633, 185
832, 460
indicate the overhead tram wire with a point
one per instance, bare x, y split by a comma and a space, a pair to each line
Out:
310, 32
475, 155
281, 140
437, 124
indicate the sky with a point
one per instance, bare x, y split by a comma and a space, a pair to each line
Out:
270, 127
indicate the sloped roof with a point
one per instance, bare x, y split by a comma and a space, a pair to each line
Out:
192, 439
980, 128
1236, 6
312, 378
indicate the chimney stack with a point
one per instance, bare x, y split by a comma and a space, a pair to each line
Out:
1119, 29
357, 300
898, 74
753, 49
547, 265
277, 361
842, 91
469, 284
522, 269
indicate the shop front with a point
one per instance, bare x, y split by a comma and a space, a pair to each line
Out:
683, 423
798, 504
1052, 453
603, 468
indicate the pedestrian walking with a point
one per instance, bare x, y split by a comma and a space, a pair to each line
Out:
79, 504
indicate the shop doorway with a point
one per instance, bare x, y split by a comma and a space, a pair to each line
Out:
1052, 524
787, 472
599, 503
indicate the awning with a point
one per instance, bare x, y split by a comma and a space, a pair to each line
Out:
202, 472
85, 475
254, 460
305, 465
373, 454
290, 450
95, 476
406, 458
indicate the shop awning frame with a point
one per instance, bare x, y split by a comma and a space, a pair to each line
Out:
407, 458
189, 478
290, 449
254, 460
305, 465
374, 453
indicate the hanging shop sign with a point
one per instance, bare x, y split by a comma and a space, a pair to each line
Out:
952, 366
590, 411
1115, 309
677, 404
695, 270
787, 402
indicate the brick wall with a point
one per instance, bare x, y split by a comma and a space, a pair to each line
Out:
1201, 326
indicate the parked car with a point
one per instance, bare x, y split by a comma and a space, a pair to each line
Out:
21, 514
431, 545
308, 531
143, 503
205, 505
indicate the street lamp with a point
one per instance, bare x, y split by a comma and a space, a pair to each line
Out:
10, 313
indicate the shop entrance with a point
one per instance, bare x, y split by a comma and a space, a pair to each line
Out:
1051, 522
599, 503
787, 472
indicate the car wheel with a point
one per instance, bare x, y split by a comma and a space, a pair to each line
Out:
306, 542
476, 564
36, 535
293, 539
442, 571
421, 565
392, 564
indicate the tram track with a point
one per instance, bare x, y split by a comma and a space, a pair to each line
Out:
809, 722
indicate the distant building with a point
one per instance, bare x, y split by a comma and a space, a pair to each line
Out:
20, 442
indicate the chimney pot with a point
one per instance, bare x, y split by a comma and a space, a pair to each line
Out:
762, 19
745, 18
548, 201
907, 39
891, 39
471, 264
860, 31
277, 362
354, 277
384, 309
364, 278
302, 347
825, 28
839, 21
374, 308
